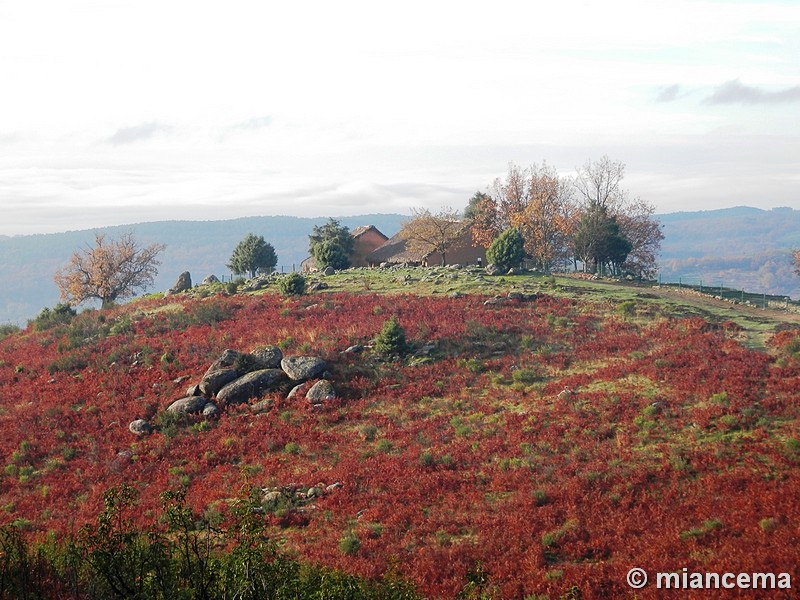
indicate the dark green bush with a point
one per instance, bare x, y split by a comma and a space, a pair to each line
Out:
7, 330
391, 341
61, 314
507, 250
292, 284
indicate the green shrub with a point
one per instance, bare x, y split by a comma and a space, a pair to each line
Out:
293, 284
391, 341
526, 376
7, 330
61, 314
349, 545
506, 252
627, 308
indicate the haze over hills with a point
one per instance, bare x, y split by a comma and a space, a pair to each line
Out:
738, 247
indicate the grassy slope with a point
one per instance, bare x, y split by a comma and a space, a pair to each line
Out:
676, 446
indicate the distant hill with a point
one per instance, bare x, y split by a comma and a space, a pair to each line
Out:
27, 263
738, 247
735, 247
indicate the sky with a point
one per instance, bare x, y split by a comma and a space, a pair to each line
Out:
117, 111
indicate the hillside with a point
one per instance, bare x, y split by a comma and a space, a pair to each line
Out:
739, 247
544, 435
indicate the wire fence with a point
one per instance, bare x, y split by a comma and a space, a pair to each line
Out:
717, 289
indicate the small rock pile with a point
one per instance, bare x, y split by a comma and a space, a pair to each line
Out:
237, 377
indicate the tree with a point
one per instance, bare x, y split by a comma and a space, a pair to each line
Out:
535, 201
599, 243
331, 245
391, 341
253, 255
546, 221
637, 224
109, 271
473, 209
506, 252
427, 232
599, 184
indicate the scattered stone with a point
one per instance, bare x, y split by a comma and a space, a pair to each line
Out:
272, 496
190, 405
329, 270
456, 295
193, 390
302, 368
210, 410
269, 357
516, 296
140, 427
514, 271
252, 385
495, 301
183, 284
356, 349
210, 279
492, 269
565, 394
226, 359
322, 390
214, 381
295, 391
333, 487
262, 406
313, 492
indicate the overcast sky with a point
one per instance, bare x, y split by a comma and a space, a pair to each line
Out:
117, 111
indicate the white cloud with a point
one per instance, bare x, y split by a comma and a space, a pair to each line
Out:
321, 107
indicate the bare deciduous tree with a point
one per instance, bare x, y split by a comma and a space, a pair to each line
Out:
111, 270
599, 184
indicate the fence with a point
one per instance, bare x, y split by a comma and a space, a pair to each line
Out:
719, 290
281, 269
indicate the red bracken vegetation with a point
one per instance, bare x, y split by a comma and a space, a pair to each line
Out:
540, 447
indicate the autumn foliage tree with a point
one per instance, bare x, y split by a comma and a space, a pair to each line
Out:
536, 202
109, 271
426, 232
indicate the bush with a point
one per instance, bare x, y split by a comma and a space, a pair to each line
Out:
507, 251
349, 545
391, 341
293, 284
61, 314
7, 330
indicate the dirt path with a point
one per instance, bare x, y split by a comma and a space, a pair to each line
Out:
708, 302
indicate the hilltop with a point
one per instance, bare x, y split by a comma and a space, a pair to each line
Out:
737, 248
543, 436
